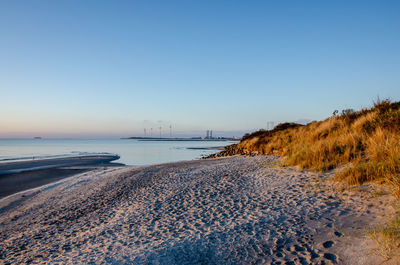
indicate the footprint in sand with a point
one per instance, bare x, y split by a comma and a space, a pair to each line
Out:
338, 234
330, 256
328, 244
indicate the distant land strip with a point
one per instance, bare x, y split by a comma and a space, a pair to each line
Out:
181, 139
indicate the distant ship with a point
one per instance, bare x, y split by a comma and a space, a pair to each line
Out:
37, 137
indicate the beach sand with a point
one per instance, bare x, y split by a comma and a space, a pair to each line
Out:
235, 210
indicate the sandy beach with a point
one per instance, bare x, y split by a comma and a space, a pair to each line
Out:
234, 210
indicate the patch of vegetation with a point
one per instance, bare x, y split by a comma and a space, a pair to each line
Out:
387, 237
365, 143
272, 164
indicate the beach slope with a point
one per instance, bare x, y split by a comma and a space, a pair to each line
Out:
235, 210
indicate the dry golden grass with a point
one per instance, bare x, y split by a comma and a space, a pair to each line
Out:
365, 145
367, 142
387, 237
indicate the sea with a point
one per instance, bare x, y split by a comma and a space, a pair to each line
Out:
131, 152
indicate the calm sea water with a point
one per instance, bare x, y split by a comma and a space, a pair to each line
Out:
132, 152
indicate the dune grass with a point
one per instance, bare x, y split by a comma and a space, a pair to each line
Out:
365, 143
362, 145
387, 237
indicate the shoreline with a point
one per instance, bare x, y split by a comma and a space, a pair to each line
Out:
33, 165
224, 139
207, 148
24, 175
225, 210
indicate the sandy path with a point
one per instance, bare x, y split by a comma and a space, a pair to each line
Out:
234, 210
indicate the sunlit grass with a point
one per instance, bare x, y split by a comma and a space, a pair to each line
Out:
366, 142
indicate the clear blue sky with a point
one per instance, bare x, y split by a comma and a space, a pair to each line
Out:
112, 68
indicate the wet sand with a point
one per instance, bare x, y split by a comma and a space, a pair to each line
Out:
12, 183
33, 165
24, 175
235, 210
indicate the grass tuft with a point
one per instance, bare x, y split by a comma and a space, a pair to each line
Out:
387, 237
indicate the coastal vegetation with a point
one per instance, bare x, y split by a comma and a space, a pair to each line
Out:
362, 145
388, 238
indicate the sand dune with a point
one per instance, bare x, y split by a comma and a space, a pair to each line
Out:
237, 210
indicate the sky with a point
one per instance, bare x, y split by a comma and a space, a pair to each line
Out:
113, 68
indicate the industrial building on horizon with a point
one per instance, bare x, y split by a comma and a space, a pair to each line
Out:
149, 136
270, 125
209, 134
